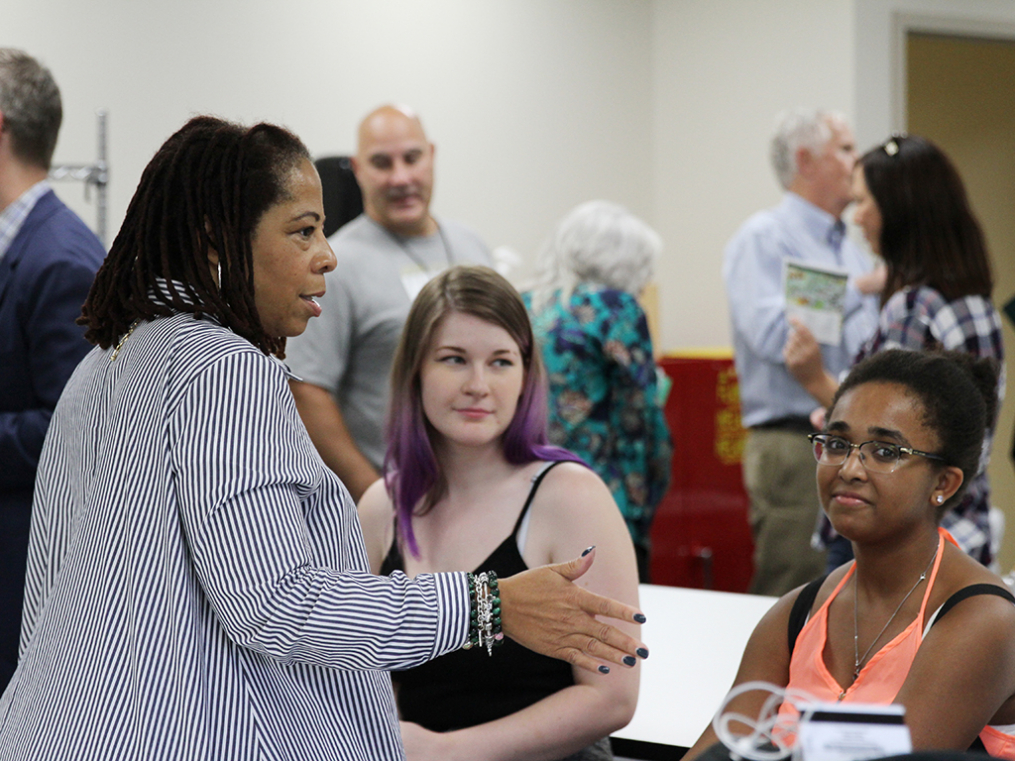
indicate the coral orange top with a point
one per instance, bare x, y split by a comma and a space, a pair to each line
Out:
883, 675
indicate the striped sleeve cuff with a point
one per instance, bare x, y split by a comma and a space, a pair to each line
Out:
453, 605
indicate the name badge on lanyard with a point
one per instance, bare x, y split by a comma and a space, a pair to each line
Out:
414, 278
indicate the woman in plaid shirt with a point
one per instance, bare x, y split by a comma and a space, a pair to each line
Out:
913, 210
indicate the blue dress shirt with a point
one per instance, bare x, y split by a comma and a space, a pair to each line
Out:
753, 273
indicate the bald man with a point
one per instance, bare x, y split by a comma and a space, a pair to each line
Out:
384, 257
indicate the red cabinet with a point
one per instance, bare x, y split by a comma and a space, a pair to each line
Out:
700, 535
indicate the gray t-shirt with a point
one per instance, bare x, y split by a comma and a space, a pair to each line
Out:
348, 349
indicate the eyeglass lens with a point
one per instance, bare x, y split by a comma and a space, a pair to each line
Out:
876, 456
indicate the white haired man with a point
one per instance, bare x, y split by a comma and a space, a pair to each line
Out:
813, 156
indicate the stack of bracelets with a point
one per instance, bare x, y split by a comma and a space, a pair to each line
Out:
484, 615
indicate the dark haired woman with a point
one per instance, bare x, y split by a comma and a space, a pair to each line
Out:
471, 483
914, 620
197, 584
913, 210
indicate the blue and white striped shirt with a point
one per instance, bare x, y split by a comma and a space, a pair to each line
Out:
197, 584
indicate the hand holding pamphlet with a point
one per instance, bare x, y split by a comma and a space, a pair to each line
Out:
817, 296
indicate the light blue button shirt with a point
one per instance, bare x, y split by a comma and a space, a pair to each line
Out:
13, 217
753, 273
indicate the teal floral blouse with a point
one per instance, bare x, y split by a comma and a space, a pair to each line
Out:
603, 399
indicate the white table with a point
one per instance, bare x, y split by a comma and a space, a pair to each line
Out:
695, 639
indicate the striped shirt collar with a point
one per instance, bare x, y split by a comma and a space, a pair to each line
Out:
13, 217
160, 294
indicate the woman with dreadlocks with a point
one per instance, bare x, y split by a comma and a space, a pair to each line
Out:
197, 583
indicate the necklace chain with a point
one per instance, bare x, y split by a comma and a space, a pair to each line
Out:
123, 340
407, 250
857, 658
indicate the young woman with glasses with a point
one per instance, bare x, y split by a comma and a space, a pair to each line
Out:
912, 207
913, 620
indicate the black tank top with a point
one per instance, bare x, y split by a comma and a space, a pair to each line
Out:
468, 687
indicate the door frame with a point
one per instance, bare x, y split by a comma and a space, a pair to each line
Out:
880, 32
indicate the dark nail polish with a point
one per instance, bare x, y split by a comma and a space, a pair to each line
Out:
629, 660
640, 618
588, 550
604, 669
642, 652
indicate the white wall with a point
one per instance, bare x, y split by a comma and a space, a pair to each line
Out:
534, 106
665, 106
723, 69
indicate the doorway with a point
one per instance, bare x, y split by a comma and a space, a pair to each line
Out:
959, 94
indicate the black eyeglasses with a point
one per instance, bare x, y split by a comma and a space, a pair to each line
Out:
875, 456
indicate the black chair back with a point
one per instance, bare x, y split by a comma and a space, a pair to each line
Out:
343, 201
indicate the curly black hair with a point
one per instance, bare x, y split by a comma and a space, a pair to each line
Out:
958, 393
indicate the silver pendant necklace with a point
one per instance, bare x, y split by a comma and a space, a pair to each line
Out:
858, 660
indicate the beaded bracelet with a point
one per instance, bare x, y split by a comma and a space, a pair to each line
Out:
484, 612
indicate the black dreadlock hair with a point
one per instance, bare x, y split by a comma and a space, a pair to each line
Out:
204, 191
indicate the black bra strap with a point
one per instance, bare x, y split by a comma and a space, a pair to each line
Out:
532, 493
801, 610
973, 590
978, 746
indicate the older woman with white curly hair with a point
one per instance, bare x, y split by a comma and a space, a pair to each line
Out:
604, 402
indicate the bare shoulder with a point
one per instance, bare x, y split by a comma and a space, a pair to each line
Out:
963, 675
376, 513
571, 485
777, 617
573, 510
977, 612
959, 571
375, 501
987, 617
771, 636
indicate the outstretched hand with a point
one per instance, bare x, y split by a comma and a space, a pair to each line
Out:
544, 611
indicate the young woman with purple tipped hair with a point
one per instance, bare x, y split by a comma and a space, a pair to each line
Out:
471, 483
